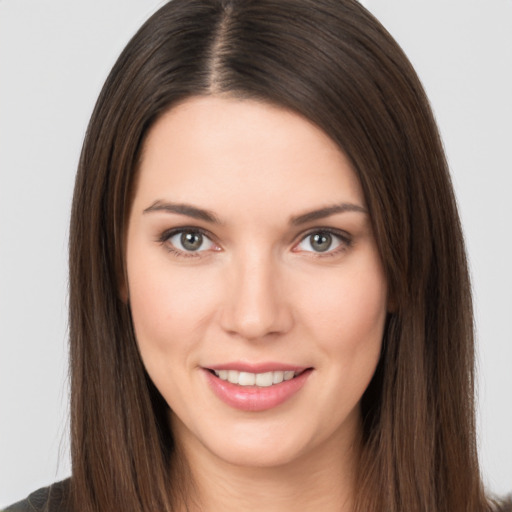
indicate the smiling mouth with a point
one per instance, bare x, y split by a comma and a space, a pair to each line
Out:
265, 379
267, 386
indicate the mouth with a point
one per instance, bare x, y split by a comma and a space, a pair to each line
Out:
262, 380
266, 387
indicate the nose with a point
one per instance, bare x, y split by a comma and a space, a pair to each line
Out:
256, 304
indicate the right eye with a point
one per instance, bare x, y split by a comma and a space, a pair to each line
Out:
188, 242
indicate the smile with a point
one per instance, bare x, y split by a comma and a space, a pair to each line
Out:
266, 379
257, 390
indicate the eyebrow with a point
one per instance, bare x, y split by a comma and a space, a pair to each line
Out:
209, 216
322, 213
183, 209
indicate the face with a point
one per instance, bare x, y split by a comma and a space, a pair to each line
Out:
256, 289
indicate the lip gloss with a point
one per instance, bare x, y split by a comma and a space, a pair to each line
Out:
254, 398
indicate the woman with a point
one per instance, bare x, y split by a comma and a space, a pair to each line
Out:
269, 300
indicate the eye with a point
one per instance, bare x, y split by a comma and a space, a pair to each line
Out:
323, 241
189, 241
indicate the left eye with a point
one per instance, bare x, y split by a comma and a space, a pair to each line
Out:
320, 241
190, 241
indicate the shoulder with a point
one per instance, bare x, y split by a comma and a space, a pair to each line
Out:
48, 499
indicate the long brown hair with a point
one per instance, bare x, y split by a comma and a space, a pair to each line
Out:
331, 61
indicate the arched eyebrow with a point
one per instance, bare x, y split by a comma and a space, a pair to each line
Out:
184, 209
322, 213
208, 216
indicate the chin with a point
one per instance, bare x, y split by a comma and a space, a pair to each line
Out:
277, 453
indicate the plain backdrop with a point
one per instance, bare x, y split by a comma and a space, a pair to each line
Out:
54, 57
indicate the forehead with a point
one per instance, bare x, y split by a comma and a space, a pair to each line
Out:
222, 151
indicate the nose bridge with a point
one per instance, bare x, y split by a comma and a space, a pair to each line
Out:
254, 305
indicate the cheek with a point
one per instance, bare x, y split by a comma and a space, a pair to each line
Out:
347, 313
169, 307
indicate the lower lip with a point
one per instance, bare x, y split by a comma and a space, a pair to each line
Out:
253, 398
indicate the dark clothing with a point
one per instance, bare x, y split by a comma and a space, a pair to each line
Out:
48, 499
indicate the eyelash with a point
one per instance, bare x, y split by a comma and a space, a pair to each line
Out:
167, 235
345, 241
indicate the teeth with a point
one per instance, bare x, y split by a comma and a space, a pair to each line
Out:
264, 379
251, 379
233, 376
246, 379
277, 377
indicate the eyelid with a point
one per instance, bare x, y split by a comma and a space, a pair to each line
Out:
344, 237
165, 237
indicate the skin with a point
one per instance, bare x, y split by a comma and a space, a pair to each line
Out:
257, 290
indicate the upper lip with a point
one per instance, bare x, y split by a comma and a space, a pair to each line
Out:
257, 367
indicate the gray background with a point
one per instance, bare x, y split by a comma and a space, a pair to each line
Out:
54, 57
